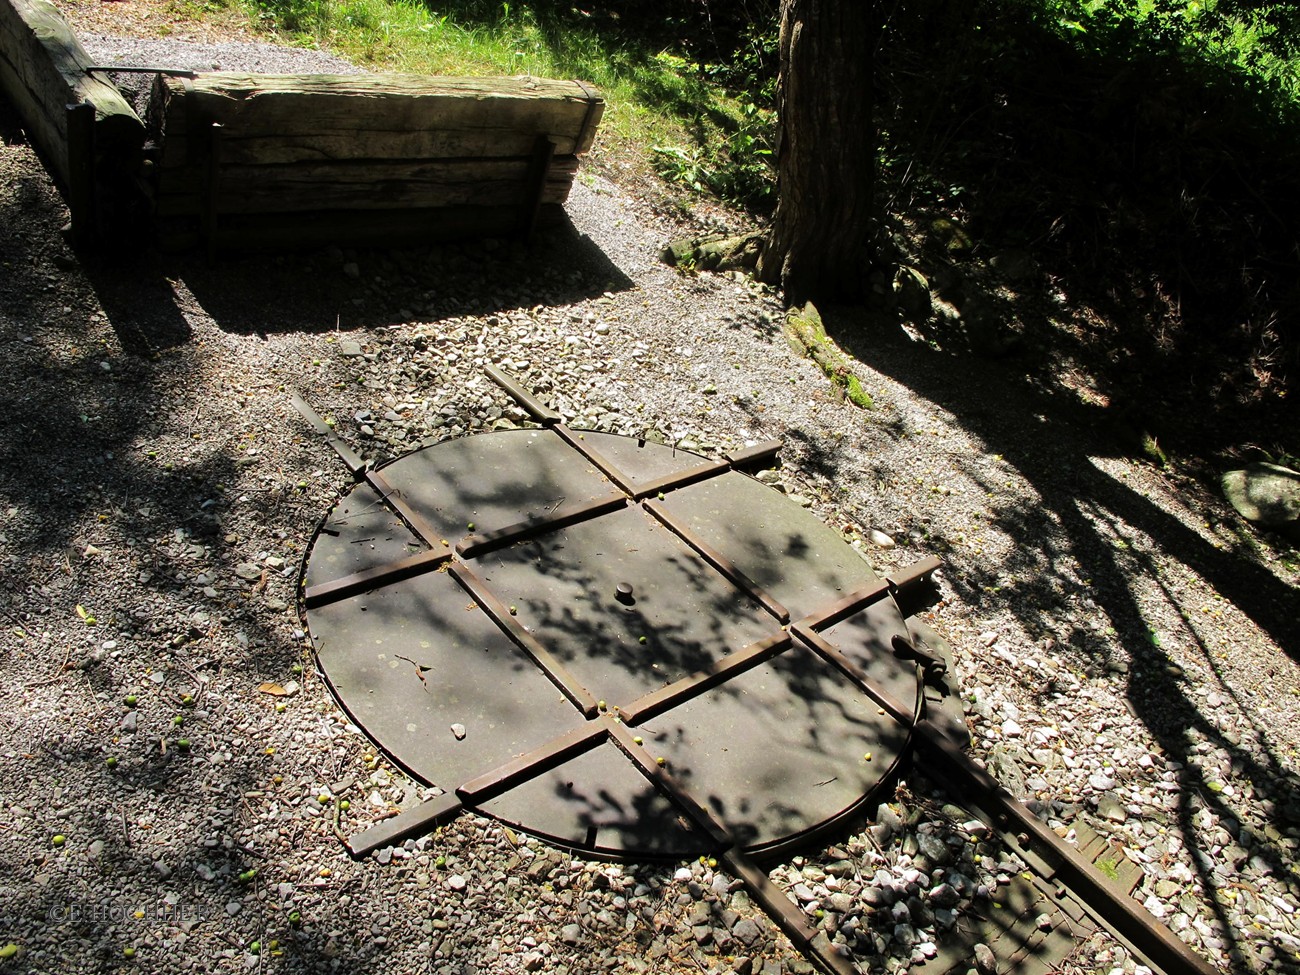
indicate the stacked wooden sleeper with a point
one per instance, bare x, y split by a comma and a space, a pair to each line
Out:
303, 159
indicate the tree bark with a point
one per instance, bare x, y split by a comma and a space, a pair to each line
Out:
818, 247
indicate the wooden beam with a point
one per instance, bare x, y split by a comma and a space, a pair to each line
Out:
380, 184
358, 228
278, 119
308, 159
42, 72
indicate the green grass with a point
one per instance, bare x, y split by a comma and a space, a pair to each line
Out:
653, 97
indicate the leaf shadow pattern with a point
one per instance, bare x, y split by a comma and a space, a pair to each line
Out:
1107, 575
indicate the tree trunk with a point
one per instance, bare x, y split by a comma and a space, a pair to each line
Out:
825, 151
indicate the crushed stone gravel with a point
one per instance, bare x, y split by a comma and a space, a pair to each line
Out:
1125, 645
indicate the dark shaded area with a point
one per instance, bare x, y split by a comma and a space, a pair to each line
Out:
1084, 506
1100, 202
147, 296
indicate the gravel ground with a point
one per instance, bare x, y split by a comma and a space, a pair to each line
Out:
1125, 644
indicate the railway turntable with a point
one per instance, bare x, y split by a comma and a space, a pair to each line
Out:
633, 651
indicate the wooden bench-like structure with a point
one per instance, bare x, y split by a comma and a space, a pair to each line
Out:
301, 159
243, 161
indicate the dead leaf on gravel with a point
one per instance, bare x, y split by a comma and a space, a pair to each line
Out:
276, 690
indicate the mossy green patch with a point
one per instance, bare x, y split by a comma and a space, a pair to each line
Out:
857, 395
1108, 867
806, 333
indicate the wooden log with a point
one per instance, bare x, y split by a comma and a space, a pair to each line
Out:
239, 147
362, 185
274, 119
358, 228
42, 72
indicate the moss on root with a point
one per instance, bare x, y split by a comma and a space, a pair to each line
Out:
806, 334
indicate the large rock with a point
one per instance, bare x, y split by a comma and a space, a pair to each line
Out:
912, 293
1266, 494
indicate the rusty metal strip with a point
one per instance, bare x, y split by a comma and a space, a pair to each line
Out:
787, 915
657, 702
441, 809
569, 514
368, 579
531, 764
912, 586
602, 463
895, 584
354, 463
413, 822
748, 457
691, 475
823, 648
911, 575
717, 560
534, 407
393, 497
500, 615
946, 761
779, 907
759, 453
1106, 902
648, 765
842, 609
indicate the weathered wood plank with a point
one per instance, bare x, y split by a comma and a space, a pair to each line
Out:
364, 185
42, 71
288, 118
306, 159
359, 228
239, 147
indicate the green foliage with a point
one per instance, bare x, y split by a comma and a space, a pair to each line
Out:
1257, 36
1109, 868
691, 79
1146, 154
737, 169
857, 395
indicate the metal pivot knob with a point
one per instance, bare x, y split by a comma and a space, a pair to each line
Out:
623, 593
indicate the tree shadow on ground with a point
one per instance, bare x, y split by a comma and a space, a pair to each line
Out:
148, 296
1085, 515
